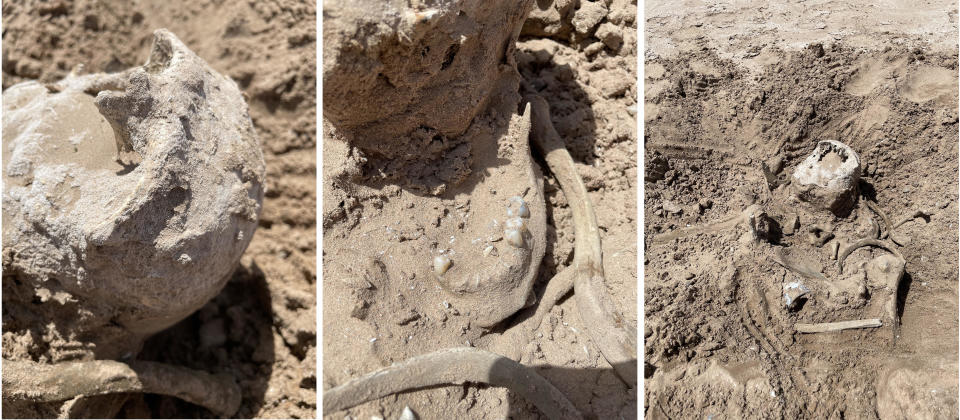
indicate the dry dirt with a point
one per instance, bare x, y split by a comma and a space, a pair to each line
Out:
735, 92
261, 328
389, 206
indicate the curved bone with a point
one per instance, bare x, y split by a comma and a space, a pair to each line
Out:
925, 214
883, 217
452, 366
866, 242
39, 382
610, 331
520, 334
496, 287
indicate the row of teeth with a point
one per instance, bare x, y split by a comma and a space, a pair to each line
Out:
515, 226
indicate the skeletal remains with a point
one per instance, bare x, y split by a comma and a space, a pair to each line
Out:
489, 264
613, 335
128, 200
496, 288
827, 180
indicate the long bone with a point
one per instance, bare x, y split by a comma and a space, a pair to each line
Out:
616, 339
452, 366
40, 382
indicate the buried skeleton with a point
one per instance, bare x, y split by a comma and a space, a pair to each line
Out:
476, 214
800, 255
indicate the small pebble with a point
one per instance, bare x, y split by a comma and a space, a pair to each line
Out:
671, 207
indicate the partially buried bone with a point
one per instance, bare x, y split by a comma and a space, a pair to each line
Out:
862, 243
128, 200
130, 206
452, 366
886, 271
36, 382
797, 264
837, 326
616, 339
828, 177
728, 222
497, 287
818, 235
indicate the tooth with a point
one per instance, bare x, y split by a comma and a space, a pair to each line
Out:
517, 224
514, 238
517, 207
441, 263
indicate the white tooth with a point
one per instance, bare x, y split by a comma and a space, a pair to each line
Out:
517, 224
441, 263
487, 250
514, 237
522, 211
521, 207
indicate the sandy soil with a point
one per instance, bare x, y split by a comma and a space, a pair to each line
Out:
261, 328
736, 96
381, 299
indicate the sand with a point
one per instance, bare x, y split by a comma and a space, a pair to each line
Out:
260, 329
736, 97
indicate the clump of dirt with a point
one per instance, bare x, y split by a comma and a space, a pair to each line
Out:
735, 260
260, 329
389, 94
415, 190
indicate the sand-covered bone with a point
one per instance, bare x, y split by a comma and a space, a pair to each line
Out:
609, 330
497, 288
452, 366
28, 382
885, 272
828, 177
127, 201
